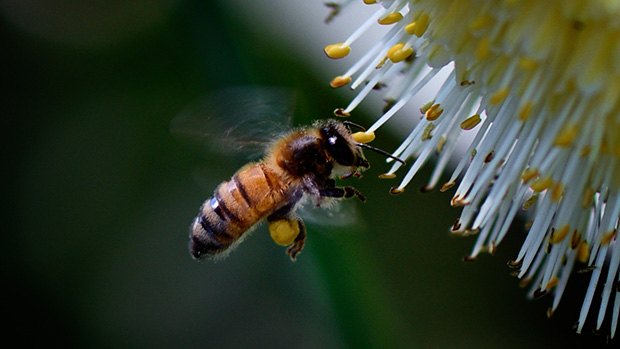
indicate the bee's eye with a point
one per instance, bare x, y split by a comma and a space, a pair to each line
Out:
338, 147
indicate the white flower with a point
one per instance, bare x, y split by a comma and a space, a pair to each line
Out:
539, 83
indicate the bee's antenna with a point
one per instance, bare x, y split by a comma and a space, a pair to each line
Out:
348, 124
380, 151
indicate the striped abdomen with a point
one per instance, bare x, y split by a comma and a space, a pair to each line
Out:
253, 192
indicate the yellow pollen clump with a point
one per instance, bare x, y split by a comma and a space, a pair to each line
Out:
370, 2
558, 235
390, 18
363, 137
542, 184
499, 96
340, 81
471, 122
434, 112
283, 231
399, 52
566, 136
337, 51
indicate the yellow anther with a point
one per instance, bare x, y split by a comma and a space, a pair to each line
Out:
499, 96
607, 237
529, 174
528, 225
583, 252
531, 201
481, 22
528, 64
525, 282
446, 186
340, 81
390, 18
370, 2
396, 191
557, 191
604, 147
341, 113
560, 234
399, 52
585, 151
381, 63
552, 283
566, 136
410, 28
426, 106
471, 122
419, 26
337, 51
441, 143
483, 50
427, 133
542, 184
283, 231
525, 111
434, 112
586, 199
575, 239
387, 176
363, 137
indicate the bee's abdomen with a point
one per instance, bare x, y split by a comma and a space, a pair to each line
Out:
236, 205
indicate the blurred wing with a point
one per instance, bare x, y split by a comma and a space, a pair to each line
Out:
335, 214
237, 119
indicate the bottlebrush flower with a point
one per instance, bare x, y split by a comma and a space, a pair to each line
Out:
539, 83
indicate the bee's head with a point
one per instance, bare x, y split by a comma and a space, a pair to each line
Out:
340, 145
344, 148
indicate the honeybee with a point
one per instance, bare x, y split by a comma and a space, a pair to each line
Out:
298, 165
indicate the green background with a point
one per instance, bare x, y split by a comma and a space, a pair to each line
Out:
100, 197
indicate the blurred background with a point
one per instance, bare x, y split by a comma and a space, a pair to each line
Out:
101, 195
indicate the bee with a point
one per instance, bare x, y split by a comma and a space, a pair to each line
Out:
298, 165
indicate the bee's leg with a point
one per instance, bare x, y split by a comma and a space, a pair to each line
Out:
342, 192
288, 231
297, 245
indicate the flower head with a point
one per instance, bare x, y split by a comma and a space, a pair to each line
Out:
539, 84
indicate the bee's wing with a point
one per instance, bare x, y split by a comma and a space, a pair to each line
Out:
337, 213
237, 119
